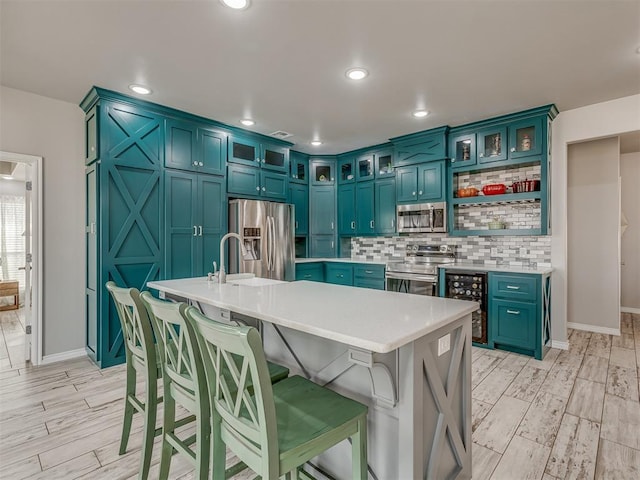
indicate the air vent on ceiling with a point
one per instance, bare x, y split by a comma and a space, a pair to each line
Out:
7, 168
281, 134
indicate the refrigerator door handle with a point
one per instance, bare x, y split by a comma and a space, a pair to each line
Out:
270, 240
273, 247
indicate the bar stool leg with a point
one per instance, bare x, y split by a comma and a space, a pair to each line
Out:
359, 451
128, 408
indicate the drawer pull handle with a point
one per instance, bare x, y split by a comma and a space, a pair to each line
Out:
512, 287
368, 272
307, 276
514, 312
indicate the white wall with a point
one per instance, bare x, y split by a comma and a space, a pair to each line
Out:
591, 122
593, 205
36, 125
630, 241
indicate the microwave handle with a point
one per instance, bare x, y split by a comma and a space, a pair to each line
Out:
432, 213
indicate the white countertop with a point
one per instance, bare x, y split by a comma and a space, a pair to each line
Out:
373, 320
342, 260
498, 268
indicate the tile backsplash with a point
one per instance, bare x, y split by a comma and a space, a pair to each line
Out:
508, 176
520, 251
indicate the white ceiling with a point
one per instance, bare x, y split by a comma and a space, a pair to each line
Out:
283, 62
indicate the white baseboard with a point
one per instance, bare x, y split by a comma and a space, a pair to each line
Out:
593, 328
629, 310
559, 344
59, 357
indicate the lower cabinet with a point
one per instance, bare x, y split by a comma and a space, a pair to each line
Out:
519, 313
342, 273
323, 246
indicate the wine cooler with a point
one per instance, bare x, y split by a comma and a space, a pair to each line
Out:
470, 286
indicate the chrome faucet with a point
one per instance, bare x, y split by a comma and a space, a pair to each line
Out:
222, 274
214, 274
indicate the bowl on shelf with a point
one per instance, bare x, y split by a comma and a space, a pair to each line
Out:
468, 192
494, 189
496, 225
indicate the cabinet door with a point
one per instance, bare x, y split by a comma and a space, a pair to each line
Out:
462, 150
431, 182
364, 167
300, 199
299, 165
492, 145
346, 169
313, 272
274, 185
365, 195
212, 218
407, 184
421, 150
385, 206
323, 246
525, 138
384, 164
338, 273
244, 151
322, 172
181, 141
212, 146
322, 207
91, 135
181, 227
275, 158
243, 180
347, 209
513, 323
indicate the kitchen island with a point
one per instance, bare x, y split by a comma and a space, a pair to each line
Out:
406, 356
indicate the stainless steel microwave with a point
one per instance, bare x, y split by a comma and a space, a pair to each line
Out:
422, 218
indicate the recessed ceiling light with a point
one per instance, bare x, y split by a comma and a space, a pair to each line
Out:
236, 4
247, 122
420, 113
357, 73
316, 143
140, 89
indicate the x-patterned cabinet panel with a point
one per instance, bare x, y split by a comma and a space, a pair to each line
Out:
130, 213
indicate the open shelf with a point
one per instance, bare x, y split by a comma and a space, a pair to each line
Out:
523, 197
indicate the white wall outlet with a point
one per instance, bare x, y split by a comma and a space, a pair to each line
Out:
494, 251
444, 344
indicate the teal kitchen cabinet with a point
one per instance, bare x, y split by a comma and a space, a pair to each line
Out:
421, 183
365, 167
313, 272
347, 209
322, 170
462, 150
195, 220
248, 181
322, 246
251, 151
338, 273
492, 144
526, 138
91, 129
346, 169
299, 196
365, 198
125, 212
385, 206
420, 147
195, 148
384, 163
519, 312
322, 220
299, 167
368, 276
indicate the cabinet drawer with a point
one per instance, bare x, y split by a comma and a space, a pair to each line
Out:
339, 274
513, 323
518, 287
374, 283
313, 272
369, 271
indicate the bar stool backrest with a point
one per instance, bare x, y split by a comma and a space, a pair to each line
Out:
136, 327
235, 363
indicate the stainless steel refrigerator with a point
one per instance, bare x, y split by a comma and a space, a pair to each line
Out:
268, 232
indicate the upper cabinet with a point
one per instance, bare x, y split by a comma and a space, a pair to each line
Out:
346, 169
420, 147
91, 135
364, 167
190, 146
421, 183
462, 150
322, 171
299, 167
252, 151
526, 138
384, 163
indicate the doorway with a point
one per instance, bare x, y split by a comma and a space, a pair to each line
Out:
20, 259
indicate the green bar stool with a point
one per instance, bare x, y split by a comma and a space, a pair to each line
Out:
275, 429
140, 353
185, 383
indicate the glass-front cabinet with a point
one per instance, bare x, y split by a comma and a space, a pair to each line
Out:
525, 138
322, 172
384, 164
462, 150
492, 145
364, 167
299, 165
346, 169
247, 151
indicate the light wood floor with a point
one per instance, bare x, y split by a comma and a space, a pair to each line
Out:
574, 415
